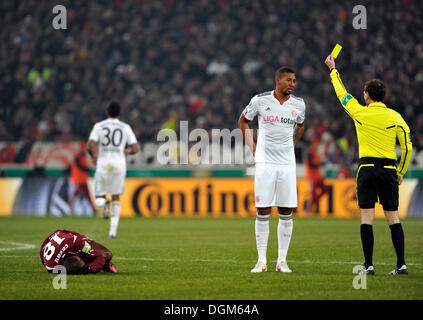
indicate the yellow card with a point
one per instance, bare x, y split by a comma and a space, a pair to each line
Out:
336, 50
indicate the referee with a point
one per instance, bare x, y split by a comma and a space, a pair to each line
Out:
377, 128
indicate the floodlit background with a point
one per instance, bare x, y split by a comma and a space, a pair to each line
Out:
201, 62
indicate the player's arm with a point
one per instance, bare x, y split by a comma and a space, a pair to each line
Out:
132, 141
91, 149
299, 124
248, 114
404, 138
247, 133
349, 103
298, 132
93, 259
92, 143
133, 149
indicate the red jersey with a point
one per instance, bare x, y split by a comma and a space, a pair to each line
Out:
313, 165
80, 170
62, 242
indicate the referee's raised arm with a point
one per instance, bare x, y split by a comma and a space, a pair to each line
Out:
350, 104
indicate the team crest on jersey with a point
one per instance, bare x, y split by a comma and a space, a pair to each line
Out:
294, 113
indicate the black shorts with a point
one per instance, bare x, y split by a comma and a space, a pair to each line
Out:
377, 178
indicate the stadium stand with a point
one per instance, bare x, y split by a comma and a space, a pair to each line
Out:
200, 61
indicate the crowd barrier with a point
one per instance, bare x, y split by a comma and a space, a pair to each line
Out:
189, 196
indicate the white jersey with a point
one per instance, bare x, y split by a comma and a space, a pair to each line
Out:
112, 136
275, 142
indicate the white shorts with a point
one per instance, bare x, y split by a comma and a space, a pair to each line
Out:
275, 185
109, 183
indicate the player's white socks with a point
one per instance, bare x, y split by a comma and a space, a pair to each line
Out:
262, 236
285, 227
114, 219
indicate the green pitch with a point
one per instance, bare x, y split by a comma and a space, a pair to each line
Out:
210, 259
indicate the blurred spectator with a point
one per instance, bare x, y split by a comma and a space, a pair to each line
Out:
7, 154
202, 60
79, 174
317, 186
344, 171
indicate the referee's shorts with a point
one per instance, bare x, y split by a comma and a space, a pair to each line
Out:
377, 178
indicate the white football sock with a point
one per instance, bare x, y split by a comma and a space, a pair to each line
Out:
114, 219
285, 227
262, 235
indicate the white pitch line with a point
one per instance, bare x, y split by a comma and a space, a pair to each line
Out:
252, 261
30, 246
18, 246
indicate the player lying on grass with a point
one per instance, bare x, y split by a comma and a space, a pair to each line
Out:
76, 252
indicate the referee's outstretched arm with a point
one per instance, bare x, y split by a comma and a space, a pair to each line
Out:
350, 104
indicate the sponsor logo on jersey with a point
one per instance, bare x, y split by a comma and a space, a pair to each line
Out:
270, 118
278, 119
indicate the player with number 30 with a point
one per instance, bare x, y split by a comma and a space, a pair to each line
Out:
111, 136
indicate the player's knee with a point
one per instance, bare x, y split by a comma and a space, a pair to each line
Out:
264, 211
392, 216
285, 211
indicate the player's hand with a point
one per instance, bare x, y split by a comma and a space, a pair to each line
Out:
85, 270
94, 160
330, 62
400, 179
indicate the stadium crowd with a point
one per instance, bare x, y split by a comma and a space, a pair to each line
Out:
202, 61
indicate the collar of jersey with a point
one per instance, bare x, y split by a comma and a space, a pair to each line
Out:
281, 103
377, 104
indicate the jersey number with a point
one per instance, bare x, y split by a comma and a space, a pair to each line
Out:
49, 248
115, 138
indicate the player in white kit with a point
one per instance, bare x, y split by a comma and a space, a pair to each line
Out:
111, 136
281, 118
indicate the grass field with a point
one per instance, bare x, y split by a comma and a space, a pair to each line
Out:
210, 259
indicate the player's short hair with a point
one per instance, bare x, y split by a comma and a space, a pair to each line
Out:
279, 73
113, 109
376, 89
72, 263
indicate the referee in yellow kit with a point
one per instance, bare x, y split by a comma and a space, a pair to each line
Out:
377, 128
